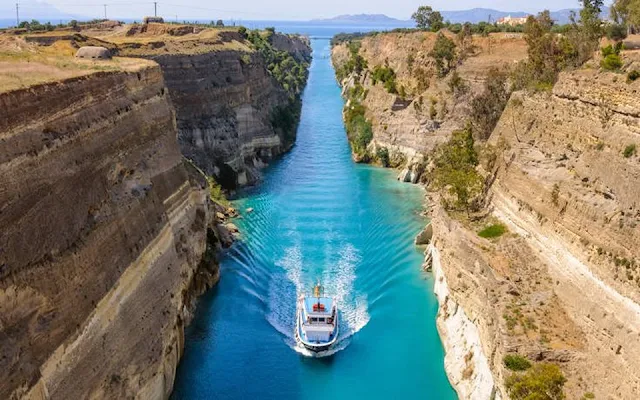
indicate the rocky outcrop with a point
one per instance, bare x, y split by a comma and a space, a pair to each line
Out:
568, 184
561, 285
410, 127
226, 102
103, 234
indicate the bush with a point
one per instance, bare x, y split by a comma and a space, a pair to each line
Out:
444, 53
493, 231
290, 73
385, 75
633, 75
457, 85
616, 32
516, 362
356, 63
543, 381
612, 62
487, 107
455, 170
383, 156
629, 151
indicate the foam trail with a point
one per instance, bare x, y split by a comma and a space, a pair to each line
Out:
283, 290
340, 278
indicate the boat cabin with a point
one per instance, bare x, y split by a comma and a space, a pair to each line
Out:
318, 311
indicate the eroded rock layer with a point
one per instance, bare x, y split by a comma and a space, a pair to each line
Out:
102, 232
226, 103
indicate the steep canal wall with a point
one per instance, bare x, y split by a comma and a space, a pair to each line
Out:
107, 233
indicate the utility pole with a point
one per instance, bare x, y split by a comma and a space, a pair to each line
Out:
155, 8
17, 15
105, 11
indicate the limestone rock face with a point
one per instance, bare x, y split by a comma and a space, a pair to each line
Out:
414, 126
101, 233
225, 102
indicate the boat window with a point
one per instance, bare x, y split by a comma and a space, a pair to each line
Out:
321, 319
314, 319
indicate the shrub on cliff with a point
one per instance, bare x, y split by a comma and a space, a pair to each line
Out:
359, 130
455, 171
543, 381
382, 154
444, 53
549, 52
487, 107
385, 75
355, 64
516, 362
290, 73
611, 57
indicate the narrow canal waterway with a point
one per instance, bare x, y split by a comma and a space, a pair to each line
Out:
316, 216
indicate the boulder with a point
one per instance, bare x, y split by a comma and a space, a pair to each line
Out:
93, 52
425, 236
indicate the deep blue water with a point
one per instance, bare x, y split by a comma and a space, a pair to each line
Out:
317, 215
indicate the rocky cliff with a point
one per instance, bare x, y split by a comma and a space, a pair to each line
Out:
229, 104
561, 285
423, 109
107, 234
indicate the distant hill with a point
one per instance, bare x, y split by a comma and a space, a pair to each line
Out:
363, 19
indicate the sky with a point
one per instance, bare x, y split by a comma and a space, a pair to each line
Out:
272, 9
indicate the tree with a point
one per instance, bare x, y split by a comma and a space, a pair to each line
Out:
487, 107
219, 23
444, 52
465, 40
543, 381
455, 170
426, 18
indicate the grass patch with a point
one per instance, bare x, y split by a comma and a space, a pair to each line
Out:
629, 151
516, 362
493, 231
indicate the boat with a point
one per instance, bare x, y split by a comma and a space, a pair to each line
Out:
316, 321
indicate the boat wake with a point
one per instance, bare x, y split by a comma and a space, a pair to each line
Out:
338, 277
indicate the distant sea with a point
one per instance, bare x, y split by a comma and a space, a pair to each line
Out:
309, 28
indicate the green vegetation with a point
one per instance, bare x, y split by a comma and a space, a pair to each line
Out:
359, 130
626, 13
286, 118
629, 151
543, 381
455, 171
457, 85
611, 57
487, 107
427, 19
444, 52
290, 73
382, 154
516, 362
356, 62
633, 75
588, 395
549, 53
385, 75
493, 231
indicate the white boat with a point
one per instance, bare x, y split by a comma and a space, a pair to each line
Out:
316, 321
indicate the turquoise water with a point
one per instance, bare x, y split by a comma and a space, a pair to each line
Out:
317, 215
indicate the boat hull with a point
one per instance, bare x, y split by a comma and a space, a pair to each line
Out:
316, 347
